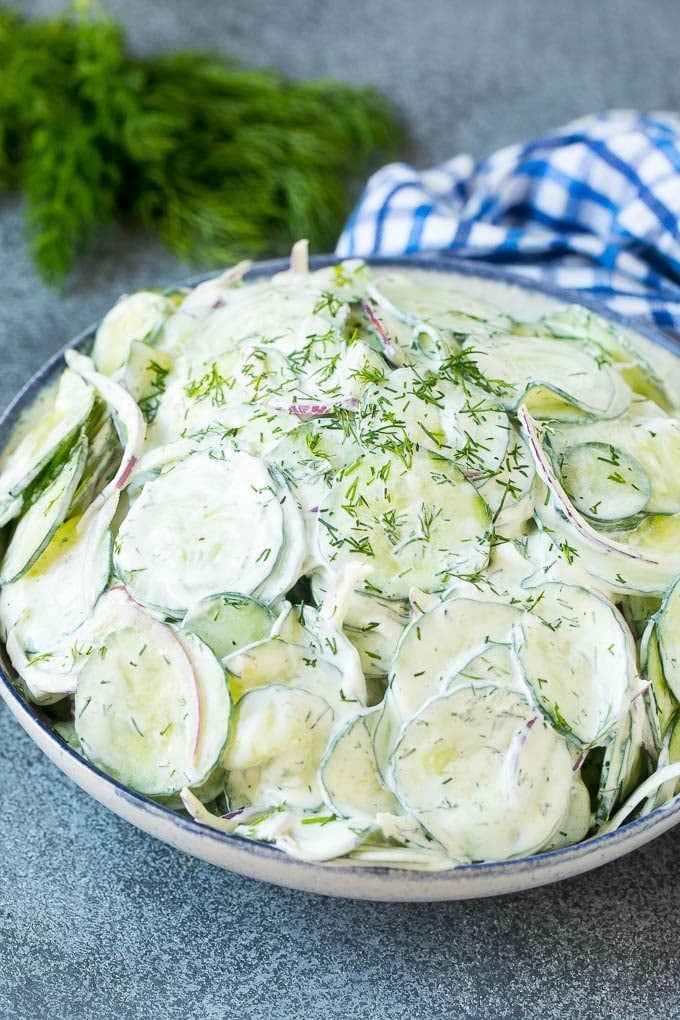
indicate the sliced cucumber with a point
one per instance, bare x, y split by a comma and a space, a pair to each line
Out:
568, 372
665, 702
625, 765
497, 664
604, 482
373, 625
643, 560
294, 557
578, 820
47, 443
47, 603
436, 646
510, 491
460, 422
103, 458
39, 523
574, 322
416, 302
308, 457
349, 775
135, 317
278, 738
419, 523
651, 442
152, 711
127, 418
295, 665
483, 773
577, 656
182, 540
146, 371
668, 637
228, 622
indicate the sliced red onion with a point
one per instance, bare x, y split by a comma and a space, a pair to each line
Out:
517, 744
388, 346
311, 409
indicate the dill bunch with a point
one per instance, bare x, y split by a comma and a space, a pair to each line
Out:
218, 160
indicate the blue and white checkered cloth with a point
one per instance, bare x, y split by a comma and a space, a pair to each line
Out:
592, 207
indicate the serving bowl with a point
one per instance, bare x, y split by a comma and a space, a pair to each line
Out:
346, 878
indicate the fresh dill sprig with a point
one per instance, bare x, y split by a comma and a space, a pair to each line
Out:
219, 161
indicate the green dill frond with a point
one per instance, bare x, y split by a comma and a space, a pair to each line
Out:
218, 160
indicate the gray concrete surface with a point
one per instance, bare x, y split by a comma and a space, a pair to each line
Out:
98, 920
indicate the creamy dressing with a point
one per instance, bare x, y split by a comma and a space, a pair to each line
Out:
377, 468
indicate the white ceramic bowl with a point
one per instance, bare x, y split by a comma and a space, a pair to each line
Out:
266, 863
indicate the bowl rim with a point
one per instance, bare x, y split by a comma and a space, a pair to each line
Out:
342, 878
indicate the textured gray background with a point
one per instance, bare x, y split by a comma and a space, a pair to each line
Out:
97, 919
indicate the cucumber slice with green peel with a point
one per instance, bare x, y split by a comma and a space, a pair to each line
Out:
460, 422
294, 557
308, 457
182, 540
135, 317
278, 737
295, 665
641, 561
103, 458
127, 418
578, 658
375, 641
151, 710
578, 820
497, 664
483, 753
668, 637
38, 524
652, 442
416, 302
146, 371
349, 774
665, 702
656, 444
373, 625
436, 646
625, 765
573, 322
47, 443
509, 491
420, 523
566, 370
669, 754
47, 603
228, 622
604, 482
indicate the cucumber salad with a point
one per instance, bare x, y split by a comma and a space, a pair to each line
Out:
356, 564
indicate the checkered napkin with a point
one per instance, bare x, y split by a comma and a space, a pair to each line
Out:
592, 207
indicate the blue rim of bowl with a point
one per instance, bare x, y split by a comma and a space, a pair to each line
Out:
515, 874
